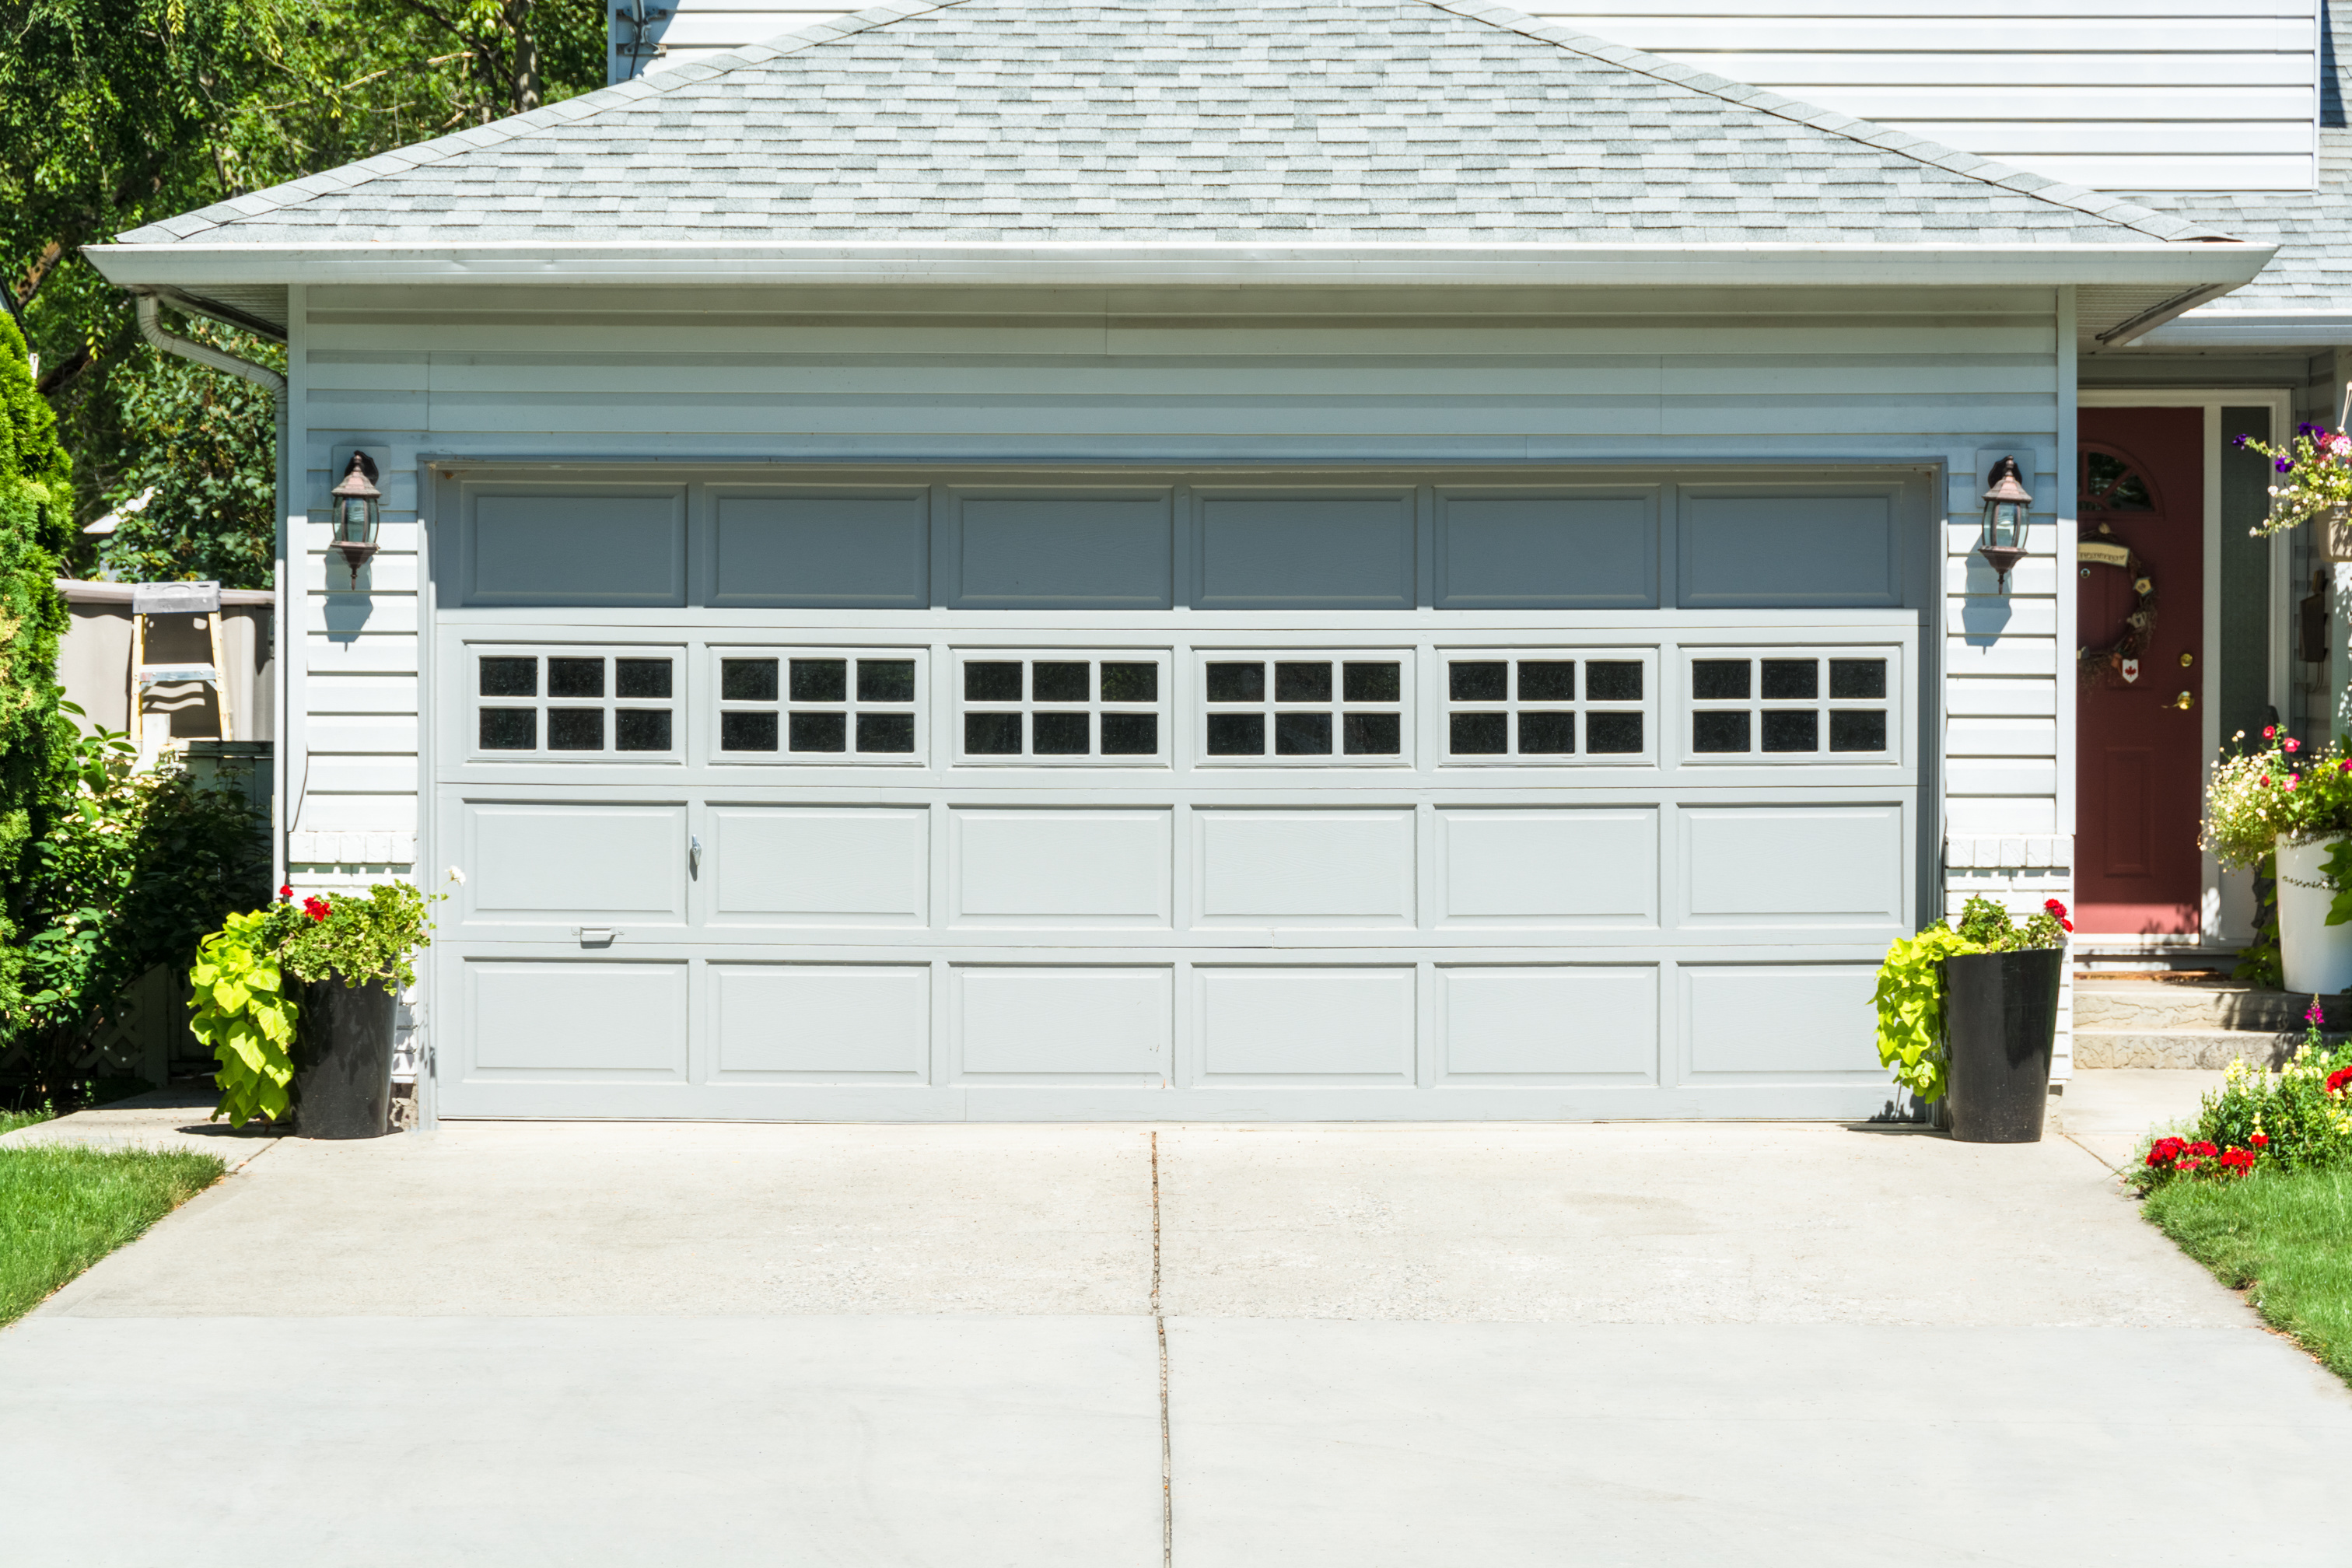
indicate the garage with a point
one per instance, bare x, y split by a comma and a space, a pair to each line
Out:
912, 793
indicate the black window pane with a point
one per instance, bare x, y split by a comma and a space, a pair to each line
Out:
1058, 681
509, 730
1858, 731
575, 677
1613, 681
1478, 734
1059, 734
641, 729
819, 732
820, 680
640, 678
1554, 680
509, 678
886, 731
1716, 733
1302, 683
747, 731
1236, 734
1791, 680
1550, 734
991, 734
1302, 734
1129, 734
1373, 683
1131, 683
1799, 731
1371, 734
1236, 683
1478, 681
1719, 679
991, 682
1608, 734
575, 729
1857, 678
886, 680
746, 679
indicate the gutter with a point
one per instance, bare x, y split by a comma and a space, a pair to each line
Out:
2177, 266
2125, 334
150, 327
2253, 329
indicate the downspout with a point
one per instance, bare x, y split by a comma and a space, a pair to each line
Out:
150, 327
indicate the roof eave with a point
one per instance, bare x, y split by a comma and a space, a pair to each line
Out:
195, 265
2225, 328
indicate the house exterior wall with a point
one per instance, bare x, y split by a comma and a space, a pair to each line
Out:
2119, 95
1947, 380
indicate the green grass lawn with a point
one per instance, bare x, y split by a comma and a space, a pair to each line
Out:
11, 1120
62, 1208
2284, 1239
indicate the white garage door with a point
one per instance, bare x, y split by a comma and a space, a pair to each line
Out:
934, 795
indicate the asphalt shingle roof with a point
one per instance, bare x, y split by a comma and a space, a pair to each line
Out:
1179, 121
2313, 231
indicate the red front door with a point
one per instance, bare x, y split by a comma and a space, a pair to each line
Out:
2140, 484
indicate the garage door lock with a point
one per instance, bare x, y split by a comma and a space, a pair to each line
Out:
595, 936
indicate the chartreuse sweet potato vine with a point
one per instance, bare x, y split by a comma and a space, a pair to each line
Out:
248, 971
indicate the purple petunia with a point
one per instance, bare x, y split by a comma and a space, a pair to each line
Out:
2281, 465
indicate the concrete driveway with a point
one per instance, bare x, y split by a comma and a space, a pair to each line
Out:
1477, 1345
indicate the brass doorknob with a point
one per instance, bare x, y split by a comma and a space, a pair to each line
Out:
2184, 702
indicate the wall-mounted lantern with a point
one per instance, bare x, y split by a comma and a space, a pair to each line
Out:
2007, 507
358, 510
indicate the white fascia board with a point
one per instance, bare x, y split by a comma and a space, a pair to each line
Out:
2221, 328
197, 266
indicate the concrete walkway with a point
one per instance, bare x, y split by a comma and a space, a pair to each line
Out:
1482, 1345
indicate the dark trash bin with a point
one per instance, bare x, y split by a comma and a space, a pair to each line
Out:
342, 1060
2001, 1023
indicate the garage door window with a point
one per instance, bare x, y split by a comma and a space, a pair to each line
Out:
1550, 707
820, 705
1790, 705
577, 704
1302, 708
1062, 707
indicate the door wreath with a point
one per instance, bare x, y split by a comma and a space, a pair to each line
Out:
2119, 659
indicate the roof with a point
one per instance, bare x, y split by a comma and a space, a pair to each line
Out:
2303, 298
1176, 121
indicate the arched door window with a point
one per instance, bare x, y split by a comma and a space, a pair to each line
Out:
2108, 484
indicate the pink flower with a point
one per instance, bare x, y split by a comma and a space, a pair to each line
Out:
2293, 780
2312, 1015
2268, 731
2292, 745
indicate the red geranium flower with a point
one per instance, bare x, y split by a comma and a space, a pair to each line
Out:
286, 891
2337, 1080
317, 908
2055, 908
2260, 1140
2165, 1150
2238, 1160
2203, 1149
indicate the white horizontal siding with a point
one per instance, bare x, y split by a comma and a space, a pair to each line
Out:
2118, 94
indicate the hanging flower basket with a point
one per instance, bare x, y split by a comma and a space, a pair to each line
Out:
2315, 484
2333, 534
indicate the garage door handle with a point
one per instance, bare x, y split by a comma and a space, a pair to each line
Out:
595, 936
693, 856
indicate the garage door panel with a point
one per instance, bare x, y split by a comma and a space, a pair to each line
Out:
1276, 1026
1785, 549
820, 866
1593, 868
575, 547
1265, 553
1064, 552
1348, 868
813, 1023
1080, 1023
871, 549
1548, 1024
1553, 552
544, 862
1763, 1022
1086, 870
575, 1021
1795, 866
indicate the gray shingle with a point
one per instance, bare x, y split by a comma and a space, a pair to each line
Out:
1335, 121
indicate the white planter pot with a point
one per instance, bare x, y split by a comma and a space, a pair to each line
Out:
2316, 956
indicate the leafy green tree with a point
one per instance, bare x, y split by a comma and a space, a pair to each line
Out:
35, 491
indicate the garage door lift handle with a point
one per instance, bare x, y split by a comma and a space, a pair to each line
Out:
693, 856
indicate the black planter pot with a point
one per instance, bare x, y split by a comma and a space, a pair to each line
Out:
2001, 1022
342, 1060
